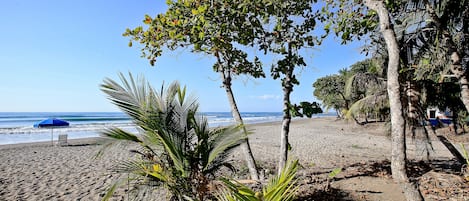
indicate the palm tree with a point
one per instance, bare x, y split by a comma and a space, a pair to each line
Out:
366, 89
176, 150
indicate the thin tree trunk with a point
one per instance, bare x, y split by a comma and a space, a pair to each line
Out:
456, 69
284, 144
416, 116
251, 162
398, 150
345, 100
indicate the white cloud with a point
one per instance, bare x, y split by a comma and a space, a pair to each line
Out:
268, 97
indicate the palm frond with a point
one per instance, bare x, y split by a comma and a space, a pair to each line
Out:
348, 86
283, 187
146, 173
236, 192
112, 189
369, 103
119, 134
175, 149
223, 140
186, 106
219, 163
151, 139
127, 98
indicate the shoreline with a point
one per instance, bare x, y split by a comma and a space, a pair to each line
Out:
87, 131
39, 171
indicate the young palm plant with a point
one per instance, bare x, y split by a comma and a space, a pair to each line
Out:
176, 150
280, 188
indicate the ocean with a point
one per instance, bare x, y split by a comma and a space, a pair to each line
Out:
17, 127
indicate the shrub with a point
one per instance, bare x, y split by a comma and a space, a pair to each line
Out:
177, 150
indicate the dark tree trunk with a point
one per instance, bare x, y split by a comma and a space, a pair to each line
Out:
417, 117
457, 69
284, 144
251, 162
398, 150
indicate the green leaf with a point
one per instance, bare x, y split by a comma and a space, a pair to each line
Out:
327, 26
202, 9
172, 33
201, 35
335, 172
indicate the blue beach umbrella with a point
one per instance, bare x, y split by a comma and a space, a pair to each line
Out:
51, 123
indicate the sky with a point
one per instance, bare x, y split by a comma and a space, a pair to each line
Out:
54, 54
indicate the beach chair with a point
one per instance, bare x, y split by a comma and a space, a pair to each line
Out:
62, 141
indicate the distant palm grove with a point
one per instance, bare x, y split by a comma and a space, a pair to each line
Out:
418, 59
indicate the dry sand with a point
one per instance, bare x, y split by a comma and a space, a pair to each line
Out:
39, 171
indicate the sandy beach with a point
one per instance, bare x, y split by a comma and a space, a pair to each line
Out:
39, 171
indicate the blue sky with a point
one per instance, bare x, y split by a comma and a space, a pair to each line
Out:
54, 54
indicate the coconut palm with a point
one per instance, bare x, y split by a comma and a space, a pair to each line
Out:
366, 88
176, 149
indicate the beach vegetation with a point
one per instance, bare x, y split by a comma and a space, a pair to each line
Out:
441, 41
288, 29
398, 149
357, 91
435, 54
175, 148
282, 187
465, 169
366, 88
218, 28
330, 90
224, 30
330, 177
421, 44
355, 20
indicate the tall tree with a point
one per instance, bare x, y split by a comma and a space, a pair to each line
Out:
330, 90
355, 19
288, 27
215, 27
398, 155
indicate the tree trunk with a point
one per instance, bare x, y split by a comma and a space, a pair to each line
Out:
251, 163
398, 150
456, 69
416, 119
284, 144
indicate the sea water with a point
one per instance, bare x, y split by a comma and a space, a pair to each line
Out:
18, 127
